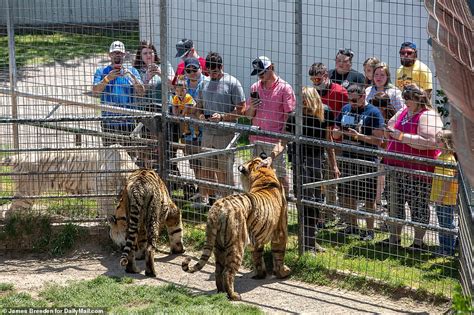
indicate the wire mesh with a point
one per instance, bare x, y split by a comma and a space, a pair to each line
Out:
360, 167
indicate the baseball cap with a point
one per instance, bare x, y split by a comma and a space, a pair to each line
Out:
260, 64
183, 47
117, 46
192, 62
408, 45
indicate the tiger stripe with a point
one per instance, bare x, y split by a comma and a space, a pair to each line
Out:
147, 206
258, 215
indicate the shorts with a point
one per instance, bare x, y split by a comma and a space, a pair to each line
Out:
279, 163
362, 189
220, 161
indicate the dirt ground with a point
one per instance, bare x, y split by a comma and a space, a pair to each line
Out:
29, 273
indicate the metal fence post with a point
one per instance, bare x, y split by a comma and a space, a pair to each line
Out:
12, 71
299, 118
164, 152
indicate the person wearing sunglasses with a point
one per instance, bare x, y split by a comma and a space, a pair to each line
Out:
412, 70
355, 125
184, 50
118, 85
343, 74
271, 101
221, 98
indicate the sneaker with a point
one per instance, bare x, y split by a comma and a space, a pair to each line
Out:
367, 236
195, 197
351, 230
201, 203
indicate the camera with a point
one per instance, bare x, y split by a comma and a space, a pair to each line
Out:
254, 94
347, 122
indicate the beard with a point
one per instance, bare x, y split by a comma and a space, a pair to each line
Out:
407, 62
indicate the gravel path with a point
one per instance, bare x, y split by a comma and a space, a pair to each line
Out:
30, 273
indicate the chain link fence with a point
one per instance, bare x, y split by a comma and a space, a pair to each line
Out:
71, 128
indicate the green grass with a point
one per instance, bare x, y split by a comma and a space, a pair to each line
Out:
38, 231
62, 46
72, 207
357, 265
122, 296
6, 287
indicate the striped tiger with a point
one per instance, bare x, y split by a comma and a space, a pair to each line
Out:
145, 206
74, 172
256, 217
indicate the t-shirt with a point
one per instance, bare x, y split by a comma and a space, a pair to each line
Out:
220, 96
419, 74
180, 69
335, 97
181, 103
437, 188
119, 91
347, 79
364, 120
312, 128
276, 102
396, 99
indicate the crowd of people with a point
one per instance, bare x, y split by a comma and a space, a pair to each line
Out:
342, 106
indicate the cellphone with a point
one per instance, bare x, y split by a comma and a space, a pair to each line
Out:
254, 94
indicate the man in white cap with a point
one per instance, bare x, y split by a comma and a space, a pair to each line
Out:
185, 50
117, 85
271, 100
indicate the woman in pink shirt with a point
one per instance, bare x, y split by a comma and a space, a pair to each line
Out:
412, 131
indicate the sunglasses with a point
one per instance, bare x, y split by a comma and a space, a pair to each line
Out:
261, 74
406, 52
191, 70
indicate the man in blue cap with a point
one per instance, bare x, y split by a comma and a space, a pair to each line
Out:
413, 70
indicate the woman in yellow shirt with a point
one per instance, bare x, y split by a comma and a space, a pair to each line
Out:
444, 192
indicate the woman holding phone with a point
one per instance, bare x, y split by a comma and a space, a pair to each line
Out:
412, 131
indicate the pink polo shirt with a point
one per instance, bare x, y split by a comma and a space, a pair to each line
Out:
272, 113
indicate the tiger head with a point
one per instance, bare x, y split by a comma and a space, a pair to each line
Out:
256, 171
118, 221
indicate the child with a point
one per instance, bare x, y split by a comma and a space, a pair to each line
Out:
444, 193
183, 104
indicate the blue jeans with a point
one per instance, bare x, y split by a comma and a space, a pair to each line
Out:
445, 215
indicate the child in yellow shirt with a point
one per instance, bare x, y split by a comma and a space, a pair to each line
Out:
444, 192
183, 104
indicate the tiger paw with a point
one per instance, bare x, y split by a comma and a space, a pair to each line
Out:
234, 297
282, 272
131, 269
260, 275
150, 274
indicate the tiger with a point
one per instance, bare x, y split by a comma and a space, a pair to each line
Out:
95, 171
145, 206
256, 216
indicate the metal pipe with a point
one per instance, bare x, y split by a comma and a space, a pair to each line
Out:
164, 153
298, 36
12, 71
343, 179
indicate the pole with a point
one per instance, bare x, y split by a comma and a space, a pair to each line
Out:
164, 148
12, 71
298, 120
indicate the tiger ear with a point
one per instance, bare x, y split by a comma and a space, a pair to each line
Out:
112, 219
